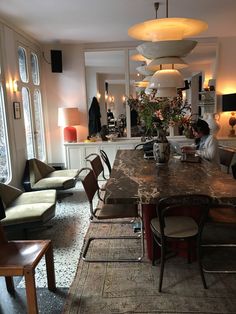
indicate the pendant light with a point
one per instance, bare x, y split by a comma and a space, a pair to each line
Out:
167, 28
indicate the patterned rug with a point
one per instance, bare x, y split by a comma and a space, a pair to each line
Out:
133, 287
69, 227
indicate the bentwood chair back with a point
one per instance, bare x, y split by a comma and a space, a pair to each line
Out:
110, 214
180, 218
226, 156
20, 258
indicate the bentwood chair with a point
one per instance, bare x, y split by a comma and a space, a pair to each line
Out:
218, 243
20, 258
180, 218
110, 214
226, 156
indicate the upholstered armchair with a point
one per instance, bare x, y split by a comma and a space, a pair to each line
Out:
26, 210
40, 176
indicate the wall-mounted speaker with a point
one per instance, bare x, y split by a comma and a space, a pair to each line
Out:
56, 61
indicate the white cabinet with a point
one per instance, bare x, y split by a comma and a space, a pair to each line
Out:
76, 152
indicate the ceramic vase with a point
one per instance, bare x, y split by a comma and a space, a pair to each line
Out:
161, 148
161, 152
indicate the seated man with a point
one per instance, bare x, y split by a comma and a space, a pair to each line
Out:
206, 145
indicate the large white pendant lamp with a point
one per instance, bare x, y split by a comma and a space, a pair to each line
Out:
167, 28
166, 82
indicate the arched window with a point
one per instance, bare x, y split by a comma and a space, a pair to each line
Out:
32, 104
4, 152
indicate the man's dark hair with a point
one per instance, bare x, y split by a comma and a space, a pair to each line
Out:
201, 126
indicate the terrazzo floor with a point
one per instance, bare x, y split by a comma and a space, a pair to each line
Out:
69, 227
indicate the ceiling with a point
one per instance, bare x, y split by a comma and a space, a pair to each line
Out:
93, 21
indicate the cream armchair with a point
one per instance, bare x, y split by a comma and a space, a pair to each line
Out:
40, 176
26, 210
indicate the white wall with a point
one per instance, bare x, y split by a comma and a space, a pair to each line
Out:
65, 89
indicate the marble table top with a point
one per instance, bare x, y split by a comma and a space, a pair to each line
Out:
138, 180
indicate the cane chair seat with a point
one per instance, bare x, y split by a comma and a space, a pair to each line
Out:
176, 226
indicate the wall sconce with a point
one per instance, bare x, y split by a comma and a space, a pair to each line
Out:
13, 86
98, 96
68, 118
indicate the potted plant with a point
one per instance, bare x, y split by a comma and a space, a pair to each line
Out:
160, 113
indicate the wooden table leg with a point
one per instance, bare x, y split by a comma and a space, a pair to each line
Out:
31, 290
50, 268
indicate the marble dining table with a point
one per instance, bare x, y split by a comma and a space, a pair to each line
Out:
136, 180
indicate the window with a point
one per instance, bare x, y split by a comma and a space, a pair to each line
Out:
32, 104
4, 153
34, 68
22, 64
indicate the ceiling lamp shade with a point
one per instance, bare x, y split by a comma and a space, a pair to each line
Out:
173, 48
142, 84
144, 70
167, 29
166, 63
170, 78
138, 57
68, 118
166, 92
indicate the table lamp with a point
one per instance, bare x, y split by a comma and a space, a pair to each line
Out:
229, 104
68, 118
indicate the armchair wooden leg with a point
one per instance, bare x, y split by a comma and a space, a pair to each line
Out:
10, 285
50, 268
31, 291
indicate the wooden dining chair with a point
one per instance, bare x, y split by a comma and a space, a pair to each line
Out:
20, 258
179, 218
110, 214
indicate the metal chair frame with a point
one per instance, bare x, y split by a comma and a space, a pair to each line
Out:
91, 187
215, 243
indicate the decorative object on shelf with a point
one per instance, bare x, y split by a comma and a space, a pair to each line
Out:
213, 121
68, 118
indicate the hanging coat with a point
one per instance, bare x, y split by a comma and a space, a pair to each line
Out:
94, 117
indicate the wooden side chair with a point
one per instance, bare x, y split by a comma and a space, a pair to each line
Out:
20, 258
180, 218
110, 214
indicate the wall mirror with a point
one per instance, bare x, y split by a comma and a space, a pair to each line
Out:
111, 75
